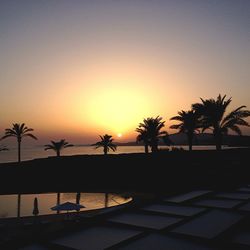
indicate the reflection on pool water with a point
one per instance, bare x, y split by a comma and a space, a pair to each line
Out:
9, 203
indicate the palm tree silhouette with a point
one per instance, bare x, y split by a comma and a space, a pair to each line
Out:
19, 131
143, 136
213, 116
58, 146
189, 124
106, 142
150, 128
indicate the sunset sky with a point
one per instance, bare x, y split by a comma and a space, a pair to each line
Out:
76, 69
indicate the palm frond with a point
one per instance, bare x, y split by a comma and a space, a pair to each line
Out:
47, 147
30, 135
7, 135
176, 126
236, 129
177, 118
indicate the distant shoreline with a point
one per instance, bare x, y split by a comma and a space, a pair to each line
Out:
37, 152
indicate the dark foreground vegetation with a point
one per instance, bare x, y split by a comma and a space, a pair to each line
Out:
161, 172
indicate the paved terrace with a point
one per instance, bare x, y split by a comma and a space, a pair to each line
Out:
199, 219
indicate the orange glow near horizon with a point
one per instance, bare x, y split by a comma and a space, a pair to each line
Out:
116, 109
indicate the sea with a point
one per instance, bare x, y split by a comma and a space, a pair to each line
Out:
34, 152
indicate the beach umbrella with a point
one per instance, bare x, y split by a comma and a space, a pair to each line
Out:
35, 209
67, 206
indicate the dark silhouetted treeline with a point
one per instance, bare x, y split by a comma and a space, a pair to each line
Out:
161, 172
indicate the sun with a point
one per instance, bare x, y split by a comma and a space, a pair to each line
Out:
119, 135
115, 108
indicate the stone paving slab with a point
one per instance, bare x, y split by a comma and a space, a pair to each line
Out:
245, 207
95, 238
242, 238
187, 196
162, 242
146, 221
218, 203
244, 189
234, 195
34, 247
209, 225
174, 209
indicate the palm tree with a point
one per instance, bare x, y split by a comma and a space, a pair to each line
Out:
106, 142
213, 116
58, 146
143, 136
19, 131
189, 124
150, 128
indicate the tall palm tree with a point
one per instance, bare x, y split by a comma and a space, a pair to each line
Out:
19, 131
151, 129
106, 142
213, 116
143, 136
58, 146
189, 124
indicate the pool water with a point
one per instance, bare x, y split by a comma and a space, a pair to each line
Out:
9, 203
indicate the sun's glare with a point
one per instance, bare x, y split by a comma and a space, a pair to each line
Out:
116, 110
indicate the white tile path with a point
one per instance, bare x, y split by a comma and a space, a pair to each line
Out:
209, 225
95, 238
217, 203
187, 196
143, 220
162, 242
174, 209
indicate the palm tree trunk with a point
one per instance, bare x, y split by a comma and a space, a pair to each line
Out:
218, 140
218, 146
105, 150
58, 153
154, 147
19, 149
190, 141
146, 148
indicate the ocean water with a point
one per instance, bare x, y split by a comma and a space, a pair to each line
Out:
29, 153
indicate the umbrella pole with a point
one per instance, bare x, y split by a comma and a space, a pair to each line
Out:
18, 205
106, 200
58, 201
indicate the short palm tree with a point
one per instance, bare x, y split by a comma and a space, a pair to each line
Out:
213, 116
106, 142
143, 137
19, 131
58, 146
150, 128
189, 124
